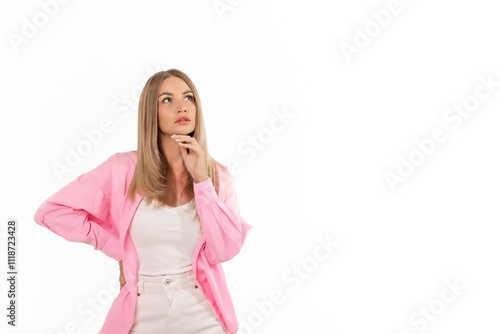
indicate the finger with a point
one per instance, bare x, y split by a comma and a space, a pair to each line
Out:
192, 148
185, 139
186, 145
184, 152
182, 137
191, 141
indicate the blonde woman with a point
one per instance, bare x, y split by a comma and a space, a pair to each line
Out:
167, 212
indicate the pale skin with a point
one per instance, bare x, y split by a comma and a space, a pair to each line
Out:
175, 99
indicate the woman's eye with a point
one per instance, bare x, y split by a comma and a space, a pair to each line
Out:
191, 98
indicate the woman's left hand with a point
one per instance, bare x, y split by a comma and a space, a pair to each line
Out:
195, 159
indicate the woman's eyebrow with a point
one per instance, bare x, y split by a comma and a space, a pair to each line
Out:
167, 93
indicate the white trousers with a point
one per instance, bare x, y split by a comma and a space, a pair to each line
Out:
168, 304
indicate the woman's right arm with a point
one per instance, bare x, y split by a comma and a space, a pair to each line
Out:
80, 211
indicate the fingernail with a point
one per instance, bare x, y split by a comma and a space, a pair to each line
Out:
172, 135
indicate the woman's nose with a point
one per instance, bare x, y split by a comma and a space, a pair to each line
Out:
181, 106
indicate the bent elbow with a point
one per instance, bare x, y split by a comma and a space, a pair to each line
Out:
223, 255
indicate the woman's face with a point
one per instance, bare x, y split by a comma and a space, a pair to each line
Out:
175, 100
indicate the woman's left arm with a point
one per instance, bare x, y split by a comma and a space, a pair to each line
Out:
224, 229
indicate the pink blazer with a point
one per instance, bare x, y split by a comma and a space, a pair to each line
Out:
93, 209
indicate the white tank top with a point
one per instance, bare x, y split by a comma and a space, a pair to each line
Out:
165, 238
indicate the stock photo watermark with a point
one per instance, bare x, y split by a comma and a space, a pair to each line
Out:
293, 279
431, 311
380, 19
452, 117
30, 27
250, 147
12, 273
98, 302
221, 7
90, 139
86, 310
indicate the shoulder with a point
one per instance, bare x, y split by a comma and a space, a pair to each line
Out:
120, 162
222, 172
225, 179
125, 158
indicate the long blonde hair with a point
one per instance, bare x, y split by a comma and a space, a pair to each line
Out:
153, 176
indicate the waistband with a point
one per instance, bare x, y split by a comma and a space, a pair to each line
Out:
158, 283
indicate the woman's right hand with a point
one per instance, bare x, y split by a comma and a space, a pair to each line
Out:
122, 276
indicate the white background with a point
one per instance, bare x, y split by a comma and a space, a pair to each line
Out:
322, 175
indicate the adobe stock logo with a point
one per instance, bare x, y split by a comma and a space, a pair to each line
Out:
87, 311
30, 28
363, 37
429, 313
121, 109
294, 277
426, 147
265, 136
223, 6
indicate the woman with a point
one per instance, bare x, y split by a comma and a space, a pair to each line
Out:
167, 212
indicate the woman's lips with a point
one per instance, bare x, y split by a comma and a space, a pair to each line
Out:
182, 122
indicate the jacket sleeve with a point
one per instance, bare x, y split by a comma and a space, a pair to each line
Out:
224, 229
80, 211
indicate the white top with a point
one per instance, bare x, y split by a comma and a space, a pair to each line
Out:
165, 238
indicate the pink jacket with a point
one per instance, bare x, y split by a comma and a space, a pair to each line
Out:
93, 209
